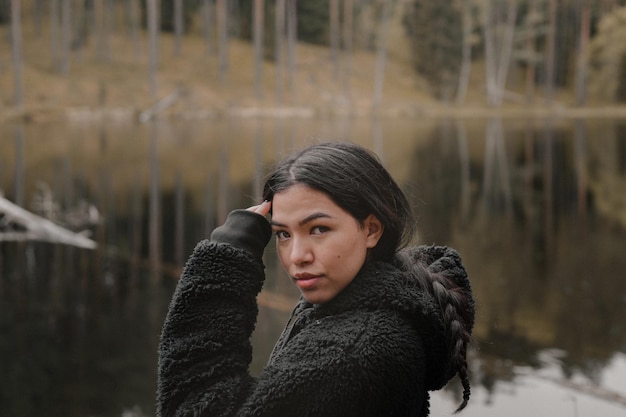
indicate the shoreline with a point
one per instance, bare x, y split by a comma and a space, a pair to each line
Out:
124, 115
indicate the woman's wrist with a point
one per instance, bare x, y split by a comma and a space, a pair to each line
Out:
244, 229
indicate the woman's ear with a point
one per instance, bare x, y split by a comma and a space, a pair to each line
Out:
374, 229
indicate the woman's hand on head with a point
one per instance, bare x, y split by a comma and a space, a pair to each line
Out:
263, 209
245, 231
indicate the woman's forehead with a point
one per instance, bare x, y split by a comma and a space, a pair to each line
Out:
299, 203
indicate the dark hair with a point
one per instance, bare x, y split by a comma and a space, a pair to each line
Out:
355, 179
439, 270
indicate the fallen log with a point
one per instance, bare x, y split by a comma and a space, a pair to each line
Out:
18, 224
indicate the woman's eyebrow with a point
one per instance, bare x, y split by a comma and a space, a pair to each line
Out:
307, 219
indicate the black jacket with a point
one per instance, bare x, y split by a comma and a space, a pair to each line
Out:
376, 349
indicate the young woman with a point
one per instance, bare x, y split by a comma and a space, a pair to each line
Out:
378, 325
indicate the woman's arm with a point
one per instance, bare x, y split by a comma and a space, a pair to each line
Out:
205, 347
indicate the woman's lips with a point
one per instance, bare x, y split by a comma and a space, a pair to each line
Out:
306, 281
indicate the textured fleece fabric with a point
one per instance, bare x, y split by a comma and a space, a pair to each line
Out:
376, 349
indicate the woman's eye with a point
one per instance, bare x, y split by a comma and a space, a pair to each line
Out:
318, 230
281, 235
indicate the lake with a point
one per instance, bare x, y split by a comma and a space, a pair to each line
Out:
536, 207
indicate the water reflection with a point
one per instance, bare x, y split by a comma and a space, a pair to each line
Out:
536, 207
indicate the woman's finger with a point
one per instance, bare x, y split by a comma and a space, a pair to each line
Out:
263, 209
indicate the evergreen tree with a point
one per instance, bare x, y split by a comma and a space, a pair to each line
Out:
312, 20
166, 7
435, 31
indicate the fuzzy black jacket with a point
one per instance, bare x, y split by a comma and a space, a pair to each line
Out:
376, 349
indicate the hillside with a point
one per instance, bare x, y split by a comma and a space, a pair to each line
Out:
117, 84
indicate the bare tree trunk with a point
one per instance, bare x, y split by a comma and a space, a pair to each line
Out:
504, 169
530, 47
496, 165
348, 27
507, 48
583, 42
38, 17
223, 183
490, 54
154, 209
66, 32
234, 15
381, 54
279, 42
580, 162
178, 26
334, 38
153, 46
378, 137
207, 17
135, 24
258, 161
529, 152
81, 33
179, 233
19, 166
222, 28
548, 190
498, 57
102, 13
292, 34
210, 205
136, 234
55, 29
16, 48
464, 160
466, 58
259, 17
550, 51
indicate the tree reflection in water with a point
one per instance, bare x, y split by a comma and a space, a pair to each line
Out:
537, 209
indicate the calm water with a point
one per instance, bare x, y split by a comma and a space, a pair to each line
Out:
536, 208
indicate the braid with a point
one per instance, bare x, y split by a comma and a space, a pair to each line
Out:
454, 301
457, 318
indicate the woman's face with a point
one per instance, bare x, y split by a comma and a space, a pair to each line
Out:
320, 245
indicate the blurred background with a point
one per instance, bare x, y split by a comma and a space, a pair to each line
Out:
129, 129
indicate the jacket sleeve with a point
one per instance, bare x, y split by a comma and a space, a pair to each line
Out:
205, 348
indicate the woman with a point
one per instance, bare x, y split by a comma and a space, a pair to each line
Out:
376, 328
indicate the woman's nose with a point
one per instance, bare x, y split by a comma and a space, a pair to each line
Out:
301, 251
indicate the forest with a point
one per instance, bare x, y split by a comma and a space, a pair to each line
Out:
198, 55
